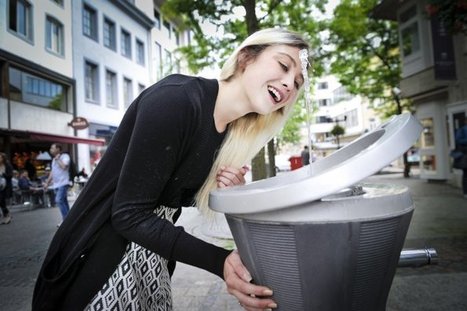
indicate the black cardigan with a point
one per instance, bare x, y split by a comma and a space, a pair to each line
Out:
160, 155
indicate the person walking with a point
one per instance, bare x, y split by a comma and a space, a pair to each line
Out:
6, 189
461, 145
59, 178
305, 156
177, 141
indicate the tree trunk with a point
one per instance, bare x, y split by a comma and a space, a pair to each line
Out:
250, 16
272, 160
258, 169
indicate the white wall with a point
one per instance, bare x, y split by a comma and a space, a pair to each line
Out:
35, 51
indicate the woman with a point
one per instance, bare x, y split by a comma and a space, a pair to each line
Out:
119, 239
6, 190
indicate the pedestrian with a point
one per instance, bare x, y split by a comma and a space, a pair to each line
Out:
177, 141
6, 189
305, 156
461, 146
59, 178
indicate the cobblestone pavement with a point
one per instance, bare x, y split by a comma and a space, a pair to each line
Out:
439, 221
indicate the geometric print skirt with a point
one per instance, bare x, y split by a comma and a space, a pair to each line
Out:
140, 282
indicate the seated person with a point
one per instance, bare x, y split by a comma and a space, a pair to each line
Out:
28, 189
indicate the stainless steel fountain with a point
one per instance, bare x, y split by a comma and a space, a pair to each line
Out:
319, 237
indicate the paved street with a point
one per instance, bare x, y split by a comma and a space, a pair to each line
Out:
439, 221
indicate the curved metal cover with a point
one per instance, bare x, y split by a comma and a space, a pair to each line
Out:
345, 167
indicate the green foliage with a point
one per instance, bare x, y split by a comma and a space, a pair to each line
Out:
337, 130
56, 102
366, 53
452, 13
207, 49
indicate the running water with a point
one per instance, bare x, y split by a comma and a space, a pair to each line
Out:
303, 55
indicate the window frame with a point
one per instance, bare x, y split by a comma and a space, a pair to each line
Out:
113, 89
28, 35
140, 59
124, 50
127, 92
108, 21
95, 82
61, 36
94, 19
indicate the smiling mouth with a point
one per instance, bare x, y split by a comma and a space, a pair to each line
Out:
274, 94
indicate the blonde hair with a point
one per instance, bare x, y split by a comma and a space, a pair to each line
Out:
248, 134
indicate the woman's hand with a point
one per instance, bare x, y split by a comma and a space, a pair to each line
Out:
230, 176
237, 278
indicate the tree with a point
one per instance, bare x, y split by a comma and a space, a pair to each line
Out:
251, 16
452, 13
366, 57
337, 131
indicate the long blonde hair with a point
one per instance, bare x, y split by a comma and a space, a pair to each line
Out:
248, 134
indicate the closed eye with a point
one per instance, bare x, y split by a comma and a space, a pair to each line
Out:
284, 66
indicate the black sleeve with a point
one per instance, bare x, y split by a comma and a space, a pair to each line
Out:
164, 122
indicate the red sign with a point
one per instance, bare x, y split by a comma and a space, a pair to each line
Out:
79, 123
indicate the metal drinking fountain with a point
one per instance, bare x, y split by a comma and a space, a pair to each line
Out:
318, 236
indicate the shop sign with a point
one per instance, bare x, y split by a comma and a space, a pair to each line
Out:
79, 123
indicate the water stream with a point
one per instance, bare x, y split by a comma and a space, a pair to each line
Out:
303, 55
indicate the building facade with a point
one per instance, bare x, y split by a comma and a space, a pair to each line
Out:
434, 77
337, 106
60, 60
37, 87
111, 67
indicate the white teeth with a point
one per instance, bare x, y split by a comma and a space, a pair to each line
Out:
277, 95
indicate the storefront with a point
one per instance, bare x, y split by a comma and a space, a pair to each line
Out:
29, 150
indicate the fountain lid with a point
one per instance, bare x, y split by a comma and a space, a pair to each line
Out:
361, 158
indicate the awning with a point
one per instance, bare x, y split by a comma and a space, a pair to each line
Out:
52, 138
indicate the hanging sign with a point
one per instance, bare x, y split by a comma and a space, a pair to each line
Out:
79, 123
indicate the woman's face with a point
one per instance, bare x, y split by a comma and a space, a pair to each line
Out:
272, 80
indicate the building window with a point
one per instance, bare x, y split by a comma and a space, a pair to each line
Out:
20, 14
32, 89
157, 19
109, 34
111, 89
322, 85
410, 39
167, 29
54, 36
125, 39
324, 102
158, 60
410, 34
90, 22
140, 52
341, 94
91, 82
127, 92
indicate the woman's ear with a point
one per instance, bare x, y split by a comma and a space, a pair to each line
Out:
242, 60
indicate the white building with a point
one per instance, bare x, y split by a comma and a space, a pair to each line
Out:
37, 87
111, 66
65, 59
337, 106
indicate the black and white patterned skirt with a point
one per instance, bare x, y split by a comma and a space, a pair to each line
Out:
140, 282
